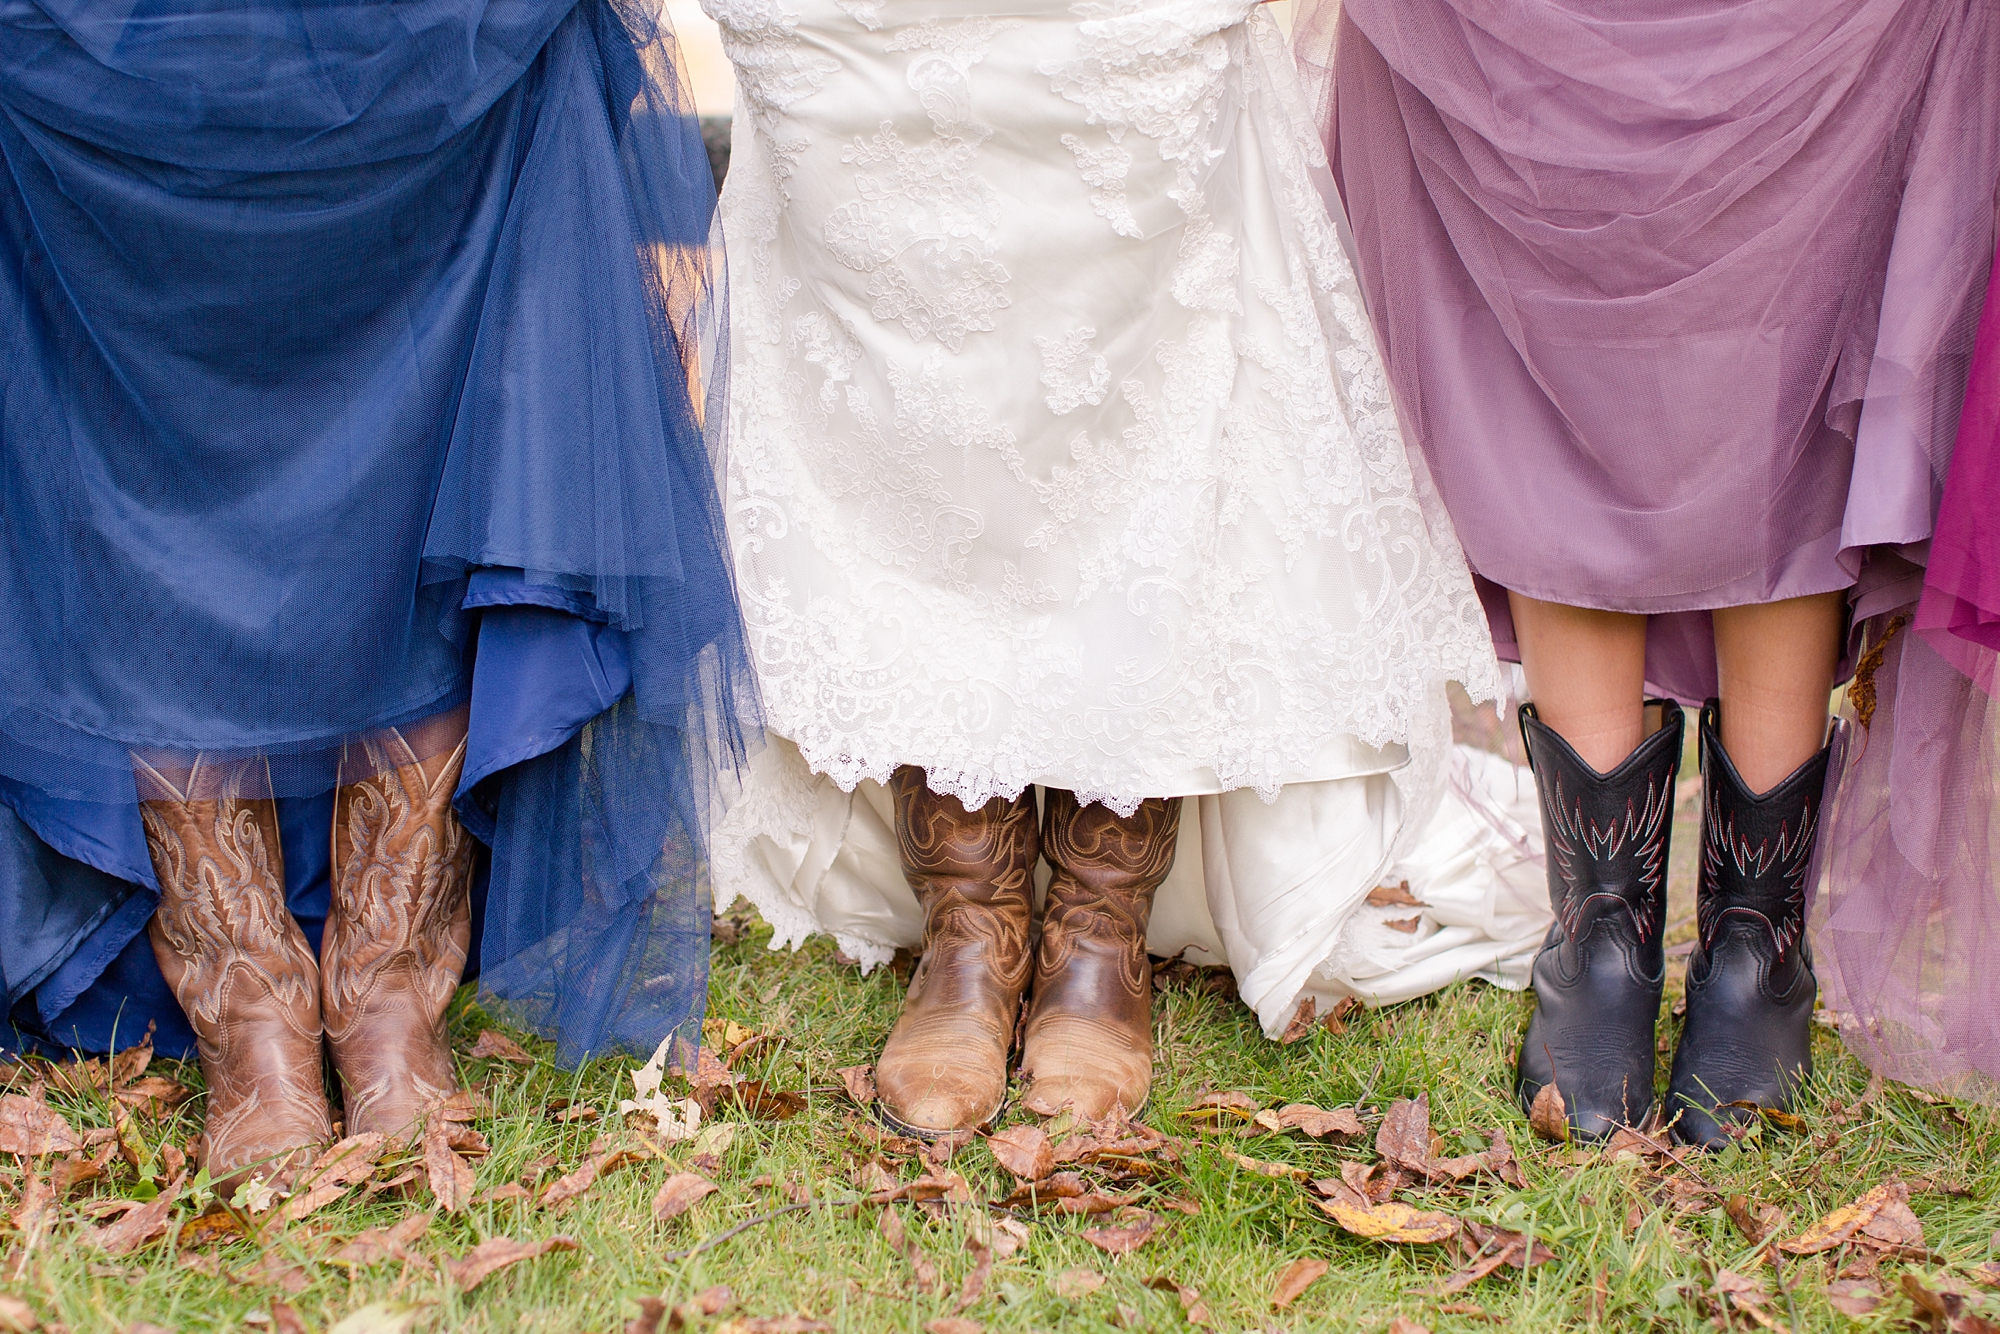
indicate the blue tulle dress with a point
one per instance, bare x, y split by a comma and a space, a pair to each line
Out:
354, 375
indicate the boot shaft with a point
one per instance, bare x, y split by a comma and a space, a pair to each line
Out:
1756, 851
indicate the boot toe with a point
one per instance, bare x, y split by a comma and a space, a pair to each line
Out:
939, 1100
1076, 1065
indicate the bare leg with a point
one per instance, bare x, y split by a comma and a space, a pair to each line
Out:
1587, 675
1776, 666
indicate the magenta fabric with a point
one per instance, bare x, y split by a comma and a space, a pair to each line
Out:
1960, 612
1674, 296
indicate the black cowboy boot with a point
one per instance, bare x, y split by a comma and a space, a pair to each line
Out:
1750, 986
1598, 977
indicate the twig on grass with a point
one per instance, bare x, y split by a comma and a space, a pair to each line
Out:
690, 1252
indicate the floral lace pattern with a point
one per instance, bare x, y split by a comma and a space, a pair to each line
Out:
1060, 448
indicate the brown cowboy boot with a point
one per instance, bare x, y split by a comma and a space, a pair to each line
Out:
1089, 1040
396, 936
944, 1067
242, 970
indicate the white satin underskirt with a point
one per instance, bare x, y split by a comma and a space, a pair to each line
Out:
1277, 890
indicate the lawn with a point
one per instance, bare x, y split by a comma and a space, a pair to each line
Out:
1634, 1239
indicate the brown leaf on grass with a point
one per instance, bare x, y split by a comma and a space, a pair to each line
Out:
1547, 1116
1755, 1221
603, 1157
270, 1270
284, 1320
859, 1081
950, 1187
1219, 1109
30, 1127
77, 1170
1335, 1022
1987, 1274
1126, 1317
495, 1046
1854, 1296
1025, 1151
489, 1257
774, 1324
1497, 1159
1404, 1139
142, 1226
1394, 896
16, 1316
1302, 1021
450, 1176
155, 1095
756, 1099
680, 1193
1626, 1141
1402, 1324
1390, 1221
1482, 1250
709, 1072
924, 1274
974, 1285
1192, 1305
1135, 1232
1842, 1225
873, 1176
1747, 1294
1073, 1285
1278, 1171
345, 1165
953, 1324
1896, 1227
374, 1245
1318, 1122
34, 1213
211, 1227
463, 1105
1294, 1279
1775, 1116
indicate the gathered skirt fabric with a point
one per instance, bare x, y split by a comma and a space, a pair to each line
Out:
354, 384
1060, 450
1675, 302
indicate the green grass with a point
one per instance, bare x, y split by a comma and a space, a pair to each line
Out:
1654, 1265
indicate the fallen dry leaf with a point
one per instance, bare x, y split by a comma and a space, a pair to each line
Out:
1775, 1116
1402, 1324
378, 1318
953, 1324
496, 1046
974, 1286
211, 1227
924, 1273
1126, 1317
1025, 1151
337, 1170
1755, 1221
673, 1118
1394, 896
1747, 1294
1124, 1239
30, 1127
859, 1080
1390, 1221
373, 1245
450, 1176
1404, 1139
496, 1253
1302, 1021
1222, 1109
1192, 1305
1853, 1296
284, 1320
16, 1316
756, 1099
1318, 1122
1294, 1279
154, 1095
1280, 1171
34, 1213
1547, 1116
681, 1192
1076, 1284
77, 1170
1335, 1022
1841, 1226
774, 1324
143, 1225
602, 1158
1987, 1274
1482, 1250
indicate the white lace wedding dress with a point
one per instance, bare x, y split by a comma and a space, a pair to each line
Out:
1060, 453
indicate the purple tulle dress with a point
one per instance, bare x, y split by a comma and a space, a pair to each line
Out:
1679, 302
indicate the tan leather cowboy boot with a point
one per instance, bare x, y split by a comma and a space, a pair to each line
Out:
242, 970
397, 935
944, 1067
1089, 1039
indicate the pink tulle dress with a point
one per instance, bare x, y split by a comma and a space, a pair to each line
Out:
1679, 301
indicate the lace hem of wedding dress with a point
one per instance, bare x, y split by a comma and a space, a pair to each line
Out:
1277, 891
1195, 553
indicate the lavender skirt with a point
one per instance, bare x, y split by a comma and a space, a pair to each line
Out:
1681, 310
1678, 307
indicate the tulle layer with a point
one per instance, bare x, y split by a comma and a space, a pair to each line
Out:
362, 384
